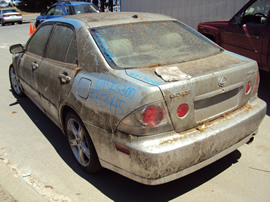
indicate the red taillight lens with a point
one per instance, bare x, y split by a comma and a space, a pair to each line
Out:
256, 84
152, 115
248, 87
5, 15
182, 110
18, 14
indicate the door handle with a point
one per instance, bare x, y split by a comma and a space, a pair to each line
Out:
34, 65
64, 78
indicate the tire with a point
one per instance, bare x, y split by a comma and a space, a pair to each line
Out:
81, 144
14, 84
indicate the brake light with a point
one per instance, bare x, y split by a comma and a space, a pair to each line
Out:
248, 87
147, 120
182, 110
18, 14
152, 115
5, 15
256, 84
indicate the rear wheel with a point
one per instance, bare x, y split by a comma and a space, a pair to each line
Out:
14, 84
81, 144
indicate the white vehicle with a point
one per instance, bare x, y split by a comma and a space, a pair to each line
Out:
10, 15
15, 2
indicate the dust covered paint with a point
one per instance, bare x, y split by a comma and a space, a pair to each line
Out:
140, 94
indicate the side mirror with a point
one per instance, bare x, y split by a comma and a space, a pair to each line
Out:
17, 48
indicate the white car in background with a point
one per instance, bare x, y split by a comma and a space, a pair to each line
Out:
3, 4
10, 15
15, 2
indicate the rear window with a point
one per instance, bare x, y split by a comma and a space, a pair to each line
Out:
9, 11
150, 44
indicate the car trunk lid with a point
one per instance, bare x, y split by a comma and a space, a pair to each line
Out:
211, 87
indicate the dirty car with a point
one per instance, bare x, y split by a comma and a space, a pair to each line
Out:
143, 95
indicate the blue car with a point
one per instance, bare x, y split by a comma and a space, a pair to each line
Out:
65, 8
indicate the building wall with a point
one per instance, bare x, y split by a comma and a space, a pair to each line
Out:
191, 12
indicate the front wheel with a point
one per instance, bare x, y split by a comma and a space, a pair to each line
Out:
14, 84
81, 144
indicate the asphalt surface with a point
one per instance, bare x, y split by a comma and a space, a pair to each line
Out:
36, 164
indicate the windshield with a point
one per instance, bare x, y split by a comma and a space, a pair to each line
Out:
151, 44
85, 8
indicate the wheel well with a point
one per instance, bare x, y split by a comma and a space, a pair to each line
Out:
65, 110
211, 37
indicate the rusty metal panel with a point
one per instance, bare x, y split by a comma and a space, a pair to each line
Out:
190, 12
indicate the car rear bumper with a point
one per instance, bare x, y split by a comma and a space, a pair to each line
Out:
161, 158
12, 19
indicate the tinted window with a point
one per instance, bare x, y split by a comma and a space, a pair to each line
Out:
62, 45
38, 42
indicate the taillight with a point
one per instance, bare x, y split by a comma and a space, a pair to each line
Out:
248, 87
152, 115
182, 110
147, 120
18, 14
256, 84
5, 15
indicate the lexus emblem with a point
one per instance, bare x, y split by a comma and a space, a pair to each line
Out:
222, 81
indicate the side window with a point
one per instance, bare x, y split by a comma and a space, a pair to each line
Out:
51, 11
257, 12
58, 10
39, 40
68, 10
62, 45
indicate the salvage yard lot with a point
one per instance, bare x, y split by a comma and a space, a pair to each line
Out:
32, 144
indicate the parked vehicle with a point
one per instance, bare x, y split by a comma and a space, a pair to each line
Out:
16, 2
3, 4
10, 15
247, 33
65, 8
140, 94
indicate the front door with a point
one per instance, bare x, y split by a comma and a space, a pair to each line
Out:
31, 61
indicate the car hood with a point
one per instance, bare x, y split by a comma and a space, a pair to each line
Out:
211, 86
218, 24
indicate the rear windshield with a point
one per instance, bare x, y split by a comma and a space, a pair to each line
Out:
9, 11
85, 8
149, 44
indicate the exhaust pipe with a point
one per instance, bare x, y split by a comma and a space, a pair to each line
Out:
250, 140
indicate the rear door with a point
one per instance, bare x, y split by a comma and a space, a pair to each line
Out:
248, 37
58, 68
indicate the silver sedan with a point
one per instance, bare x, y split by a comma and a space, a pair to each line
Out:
10, 15
141, 94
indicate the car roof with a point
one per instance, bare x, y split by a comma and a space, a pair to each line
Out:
71, 3
109, 18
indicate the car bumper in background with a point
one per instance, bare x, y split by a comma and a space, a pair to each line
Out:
13, 19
